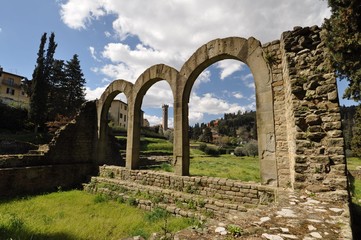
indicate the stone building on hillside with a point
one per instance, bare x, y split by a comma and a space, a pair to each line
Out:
118, 114
12, 90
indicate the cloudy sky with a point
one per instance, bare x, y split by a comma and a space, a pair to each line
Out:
119, 39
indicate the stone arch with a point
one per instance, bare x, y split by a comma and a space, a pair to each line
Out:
251, 53
103, 105
149, 77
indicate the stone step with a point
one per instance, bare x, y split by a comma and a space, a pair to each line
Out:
179, 203
233, 191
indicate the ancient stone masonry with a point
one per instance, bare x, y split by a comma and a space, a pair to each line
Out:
316, 145
67, 163
298, 120
216, 195
299, 126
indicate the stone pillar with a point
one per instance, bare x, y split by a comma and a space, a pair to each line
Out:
165, 117
181, 139
133, 137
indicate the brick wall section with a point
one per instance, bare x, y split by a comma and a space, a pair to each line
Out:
316, 145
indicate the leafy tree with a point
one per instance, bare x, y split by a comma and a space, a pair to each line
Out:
343, 40
206, 136
75, 85
251, 148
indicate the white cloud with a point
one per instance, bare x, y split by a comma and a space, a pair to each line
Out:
93, 53
250, 85
132, 62
170, 31
238, 95
92, 94
204, 77
195, 117
212, 105
1, 29
229, 67
157, 95
155, 120
107, 34
76, 13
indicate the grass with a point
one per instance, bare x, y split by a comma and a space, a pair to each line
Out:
353, 162
226, 166
355, 206
155, 145
77, 215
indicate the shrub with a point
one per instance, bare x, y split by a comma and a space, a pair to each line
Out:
211, 151
99, 198
239, 151
202, 147
157, 214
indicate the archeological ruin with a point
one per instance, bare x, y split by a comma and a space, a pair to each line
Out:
301, 146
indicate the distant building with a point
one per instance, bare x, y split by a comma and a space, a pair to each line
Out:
12, 90
118, 114
165, 117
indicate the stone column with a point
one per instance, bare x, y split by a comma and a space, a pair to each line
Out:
133, 136
181, 139
165, 117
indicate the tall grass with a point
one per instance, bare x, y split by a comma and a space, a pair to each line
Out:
76, 215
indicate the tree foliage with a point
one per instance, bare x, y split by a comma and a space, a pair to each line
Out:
75, 85
343, 39
57, 87
356, 139
39, 96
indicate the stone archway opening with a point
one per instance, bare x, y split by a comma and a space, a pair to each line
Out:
113, 117
117, 118
156, 136
251, 53
223, 124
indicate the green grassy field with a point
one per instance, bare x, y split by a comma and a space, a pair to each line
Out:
79, 215
226, 166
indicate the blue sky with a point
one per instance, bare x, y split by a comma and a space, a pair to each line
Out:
119, 39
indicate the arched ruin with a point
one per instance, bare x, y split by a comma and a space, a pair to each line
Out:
299, 125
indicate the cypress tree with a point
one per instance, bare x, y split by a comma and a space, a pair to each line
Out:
39, 95
75, 85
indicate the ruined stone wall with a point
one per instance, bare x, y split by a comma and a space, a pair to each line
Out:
180, 195
314, 134
77, 141
68, 163
220, 188
43, 178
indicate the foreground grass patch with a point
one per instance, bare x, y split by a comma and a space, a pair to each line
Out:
353, 162
77, 215
226, 166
